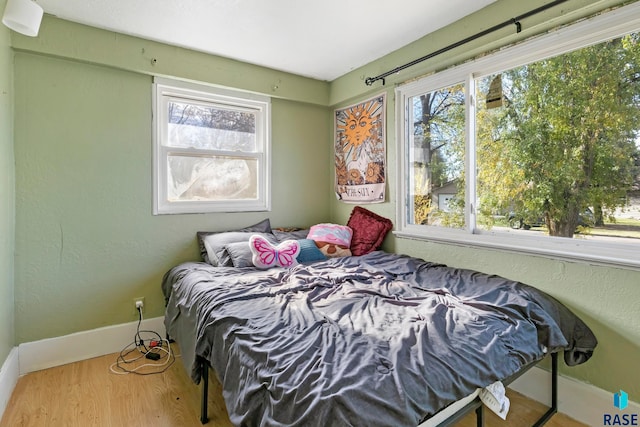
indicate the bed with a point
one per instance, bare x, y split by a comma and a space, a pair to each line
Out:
376, 340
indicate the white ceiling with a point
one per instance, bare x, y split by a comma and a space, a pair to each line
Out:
322, 39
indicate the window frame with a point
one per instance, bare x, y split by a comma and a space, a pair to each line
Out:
581, 34
165, 90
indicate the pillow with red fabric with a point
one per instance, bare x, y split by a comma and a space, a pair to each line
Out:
369, 230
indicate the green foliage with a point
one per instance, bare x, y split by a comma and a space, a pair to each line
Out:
565, 139
439, 137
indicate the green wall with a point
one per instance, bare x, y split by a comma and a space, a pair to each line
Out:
86, 240
608, 299
7, 194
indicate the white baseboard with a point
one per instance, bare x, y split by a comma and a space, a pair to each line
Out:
50, 352
580, 401
9, 374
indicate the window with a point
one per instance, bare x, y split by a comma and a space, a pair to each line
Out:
436, 157
211, 149
535, 148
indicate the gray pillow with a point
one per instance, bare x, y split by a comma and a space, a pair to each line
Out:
240, 254
216, 245
263, 226
290, 235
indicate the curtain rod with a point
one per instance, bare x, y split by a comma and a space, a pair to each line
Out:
513, 21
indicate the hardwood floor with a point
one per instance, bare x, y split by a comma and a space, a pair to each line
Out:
87, 393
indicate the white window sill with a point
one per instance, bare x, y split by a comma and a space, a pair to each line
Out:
576, 250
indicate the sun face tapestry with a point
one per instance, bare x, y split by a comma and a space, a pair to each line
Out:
360, 151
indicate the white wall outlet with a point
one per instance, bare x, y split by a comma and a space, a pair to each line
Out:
138, 303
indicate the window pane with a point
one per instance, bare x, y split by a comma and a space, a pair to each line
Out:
559, 154
210, 127
436, 158
211, 178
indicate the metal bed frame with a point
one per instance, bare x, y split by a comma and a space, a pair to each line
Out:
475, 405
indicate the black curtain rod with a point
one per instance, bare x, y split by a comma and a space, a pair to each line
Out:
514, 21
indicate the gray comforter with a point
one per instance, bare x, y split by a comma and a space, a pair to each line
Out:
377, 340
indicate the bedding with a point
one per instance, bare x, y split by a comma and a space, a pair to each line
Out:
333, 240
267, 255
369, 230
309, 252
211, 243
374, 340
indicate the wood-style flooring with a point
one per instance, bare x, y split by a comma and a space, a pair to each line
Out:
88, 394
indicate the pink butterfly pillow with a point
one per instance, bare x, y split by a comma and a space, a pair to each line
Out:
267, 255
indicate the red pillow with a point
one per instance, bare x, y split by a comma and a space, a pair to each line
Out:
369, 230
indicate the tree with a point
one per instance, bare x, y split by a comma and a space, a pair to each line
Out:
439, 142
566, 139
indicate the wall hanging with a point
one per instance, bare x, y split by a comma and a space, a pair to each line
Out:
360, 151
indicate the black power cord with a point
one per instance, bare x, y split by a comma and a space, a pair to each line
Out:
155, 349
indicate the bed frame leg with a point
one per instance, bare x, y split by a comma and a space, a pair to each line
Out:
554, 392
480, 416
204, 375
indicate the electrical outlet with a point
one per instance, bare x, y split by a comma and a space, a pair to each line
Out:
138, 302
